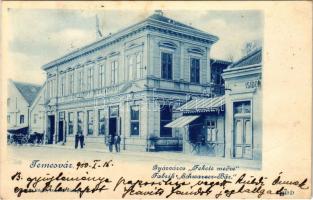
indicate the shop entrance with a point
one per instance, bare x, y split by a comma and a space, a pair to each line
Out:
243, 138
51, 120
112, 126
61, 128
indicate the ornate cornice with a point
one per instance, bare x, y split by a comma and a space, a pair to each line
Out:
149, 24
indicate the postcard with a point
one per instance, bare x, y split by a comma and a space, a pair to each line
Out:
156, 100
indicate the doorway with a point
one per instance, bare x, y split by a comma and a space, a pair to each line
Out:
113, 126
60, 132
243, 138
51, 119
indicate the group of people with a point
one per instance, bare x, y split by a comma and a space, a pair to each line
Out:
113, 140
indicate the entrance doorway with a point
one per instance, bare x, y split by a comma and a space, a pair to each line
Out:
243, 138
50, 135
60, 132
113, 126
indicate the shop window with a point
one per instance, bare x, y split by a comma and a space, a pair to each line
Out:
134, 120
70, 123
212, 131
194, 70
90, 120
166, 65
80, 120
101, 121
165, 118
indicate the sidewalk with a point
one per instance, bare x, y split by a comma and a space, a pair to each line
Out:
175, 157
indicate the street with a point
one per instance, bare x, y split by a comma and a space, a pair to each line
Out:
18, 153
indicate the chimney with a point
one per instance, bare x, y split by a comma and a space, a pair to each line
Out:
158, 12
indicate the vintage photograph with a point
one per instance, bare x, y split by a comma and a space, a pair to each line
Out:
156, 100
152, 82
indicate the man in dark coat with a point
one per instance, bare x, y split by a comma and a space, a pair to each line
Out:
117, 142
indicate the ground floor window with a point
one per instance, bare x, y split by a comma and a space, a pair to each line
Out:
90, 119
80, 120
165, 118
70, 123
134, 120
101, 121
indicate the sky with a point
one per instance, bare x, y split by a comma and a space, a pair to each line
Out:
37, 37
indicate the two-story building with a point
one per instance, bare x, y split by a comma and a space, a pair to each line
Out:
128, 83
20, 98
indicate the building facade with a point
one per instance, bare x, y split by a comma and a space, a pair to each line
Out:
227, 125
37, 116
20, 98
243, 99
127, 84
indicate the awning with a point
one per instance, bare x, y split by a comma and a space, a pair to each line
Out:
182, 121
18, 129
203, 105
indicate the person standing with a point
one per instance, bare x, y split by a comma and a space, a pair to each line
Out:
117, 143
111, 142
79, 138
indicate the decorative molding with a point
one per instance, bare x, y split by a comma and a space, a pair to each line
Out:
168, 44
195, 50
114, 53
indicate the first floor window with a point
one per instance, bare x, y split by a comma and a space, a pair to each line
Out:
8, 117
71, 84
70, 123
194, 70
90, 122
130, 67
90, 79
166, 65
134, 120
139, 69
165, 118
80, 120
101, 76
101, 121
21, 119
114, 71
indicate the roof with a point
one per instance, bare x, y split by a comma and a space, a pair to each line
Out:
252, 58
28, 90
218, 61
162, 18
203, 105
148, 22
